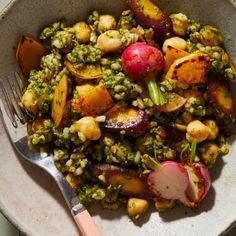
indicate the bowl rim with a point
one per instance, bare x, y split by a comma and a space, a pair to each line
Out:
3, 209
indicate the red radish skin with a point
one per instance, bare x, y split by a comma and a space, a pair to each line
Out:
141, 61
170, 181
144, 62
206, 176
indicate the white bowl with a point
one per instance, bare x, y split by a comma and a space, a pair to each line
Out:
29, 197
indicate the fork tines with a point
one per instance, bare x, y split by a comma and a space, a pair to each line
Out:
12, 90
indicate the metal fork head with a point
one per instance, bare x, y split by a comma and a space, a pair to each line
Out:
14, 118
12, 90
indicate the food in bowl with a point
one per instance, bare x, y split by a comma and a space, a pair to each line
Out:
136, 108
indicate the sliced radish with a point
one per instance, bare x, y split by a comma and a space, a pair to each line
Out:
170, 181
206, 177
175, 102
196, 186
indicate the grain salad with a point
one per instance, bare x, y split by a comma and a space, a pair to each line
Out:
135, 108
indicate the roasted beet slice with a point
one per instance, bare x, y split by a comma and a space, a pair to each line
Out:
151, 16
29, 53
131, 182
134, 122
220, 96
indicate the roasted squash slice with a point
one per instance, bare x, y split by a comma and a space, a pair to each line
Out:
171, 55
189, 69
59, 101
29, 53
93, 100
86, 72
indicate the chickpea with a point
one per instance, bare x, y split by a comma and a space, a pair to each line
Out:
89, 128
180, 23
29, 101
106, 22
136, 207
224, 149
110, 41
209, 152
175, 42
214, 130
211, 36
197, 130
82, 32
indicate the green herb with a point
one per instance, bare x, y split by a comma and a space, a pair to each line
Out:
155, 93
193, 150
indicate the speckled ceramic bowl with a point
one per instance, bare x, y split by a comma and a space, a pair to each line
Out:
29, 197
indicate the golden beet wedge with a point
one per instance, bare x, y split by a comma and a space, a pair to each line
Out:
59, 101
171, 55
29, 53
131, 183
190, 69
86, 72
220, 96
93, 100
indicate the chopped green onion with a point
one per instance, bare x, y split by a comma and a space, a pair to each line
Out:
185, 148
193, 150
155, 93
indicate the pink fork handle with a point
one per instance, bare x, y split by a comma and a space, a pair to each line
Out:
86, 224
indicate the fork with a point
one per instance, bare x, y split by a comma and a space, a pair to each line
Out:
14, 120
